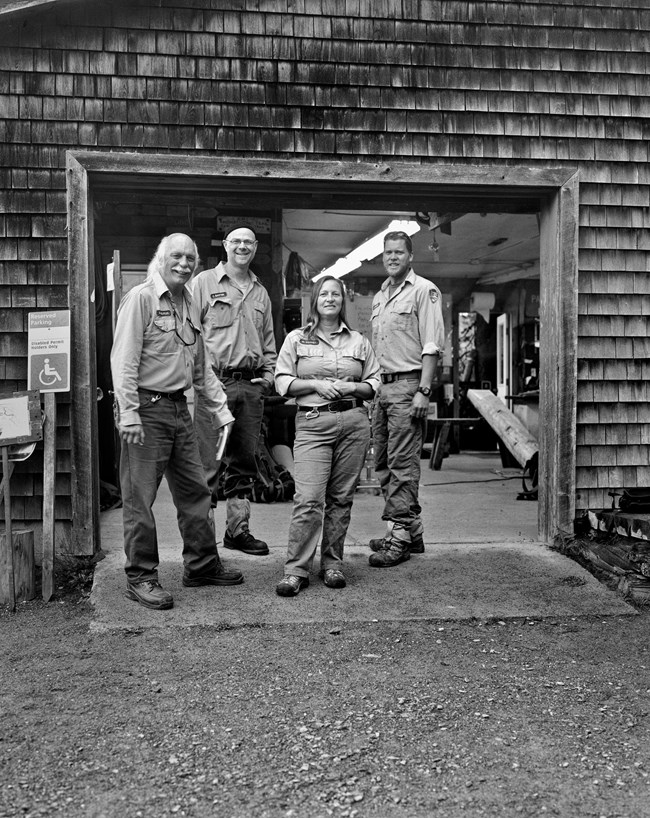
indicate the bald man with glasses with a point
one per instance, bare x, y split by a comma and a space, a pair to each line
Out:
157, 356
237, 325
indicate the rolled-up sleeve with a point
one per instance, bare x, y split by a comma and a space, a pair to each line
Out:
126, 355
431, 324
286, 370
370, 372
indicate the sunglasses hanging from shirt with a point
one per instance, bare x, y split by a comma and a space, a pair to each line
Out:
179, 319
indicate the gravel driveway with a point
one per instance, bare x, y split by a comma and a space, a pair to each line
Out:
517, 717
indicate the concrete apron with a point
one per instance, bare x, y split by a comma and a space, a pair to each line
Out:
482, 561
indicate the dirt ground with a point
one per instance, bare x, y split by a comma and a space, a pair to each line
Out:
521, 717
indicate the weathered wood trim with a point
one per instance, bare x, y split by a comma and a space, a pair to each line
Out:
83, 398
558, 363
253, 172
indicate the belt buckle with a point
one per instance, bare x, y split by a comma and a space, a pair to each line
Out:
236, 375
313, 413
155, 398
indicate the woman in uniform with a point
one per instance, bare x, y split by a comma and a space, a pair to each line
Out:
330, 370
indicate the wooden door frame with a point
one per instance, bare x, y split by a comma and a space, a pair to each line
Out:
554, 189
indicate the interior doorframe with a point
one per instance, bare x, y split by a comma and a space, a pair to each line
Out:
555, 189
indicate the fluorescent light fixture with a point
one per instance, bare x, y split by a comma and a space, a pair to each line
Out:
371, 248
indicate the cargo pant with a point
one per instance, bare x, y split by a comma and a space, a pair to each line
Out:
329, 453
397, 440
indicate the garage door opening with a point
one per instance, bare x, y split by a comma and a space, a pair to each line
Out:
492, 249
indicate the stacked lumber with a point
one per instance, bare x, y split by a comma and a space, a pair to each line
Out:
626, 561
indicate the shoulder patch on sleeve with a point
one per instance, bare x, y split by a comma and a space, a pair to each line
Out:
433, 296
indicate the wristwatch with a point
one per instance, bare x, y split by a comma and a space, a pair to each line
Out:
425, 390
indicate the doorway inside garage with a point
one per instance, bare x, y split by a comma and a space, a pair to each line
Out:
486, 247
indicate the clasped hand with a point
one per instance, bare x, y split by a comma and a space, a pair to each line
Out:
334, 390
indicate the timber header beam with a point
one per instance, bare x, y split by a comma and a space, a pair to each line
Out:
310, 175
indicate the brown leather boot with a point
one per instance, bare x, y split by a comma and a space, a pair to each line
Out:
392, 552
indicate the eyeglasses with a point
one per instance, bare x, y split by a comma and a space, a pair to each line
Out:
248, 243
180, 337
177, 318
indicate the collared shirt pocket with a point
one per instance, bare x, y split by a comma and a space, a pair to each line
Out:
258, 313
351, 366
404, 315
221, 313
310, 361
309, 351
162, 333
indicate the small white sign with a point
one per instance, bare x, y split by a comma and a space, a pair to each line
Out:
48, 351
14, 418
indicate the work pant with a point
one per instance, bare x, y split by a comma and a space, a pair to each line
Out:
169, 448
329, 453
246, 402
397, 442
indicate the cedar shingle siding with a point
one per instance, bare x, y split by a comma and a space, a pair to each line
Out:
432, 81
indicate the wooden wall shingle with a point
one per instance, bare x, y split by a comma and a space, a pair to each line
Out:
519, 82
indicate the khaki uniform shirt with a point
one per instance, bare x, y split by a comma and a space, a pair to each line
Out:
148, 354
407, 325
343, 355
237, 326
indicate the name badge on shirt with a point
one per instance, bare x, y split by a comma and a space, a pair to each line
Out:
309, 341
163, 312
218, 295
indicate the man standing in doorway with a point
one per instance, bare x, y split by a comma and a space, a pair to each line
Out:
408, 336
237, 325
157, 356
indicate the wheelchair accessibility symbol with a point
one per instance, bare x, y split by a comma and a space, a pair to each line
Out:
48, 376
49, 373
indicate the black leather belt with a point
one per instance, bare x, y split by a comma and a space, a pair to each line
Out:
155, 396
241, 374
390, 377
334, 406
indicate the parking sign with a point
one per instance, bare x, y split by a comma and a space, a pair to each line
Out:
48, 361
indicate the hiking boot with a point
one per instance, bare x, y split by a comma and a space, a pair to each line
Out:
333, 578
246, 543
392, 552
217, 577
150, 593
416, 546
291, 585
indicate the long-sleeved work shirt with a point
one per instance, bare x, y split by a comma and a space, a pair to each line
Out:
407, 324
343, 355
160, 351
237, 325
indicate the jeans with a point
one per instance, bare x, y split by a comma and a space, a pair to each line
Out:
329, 453
169, 448
246, 402
397, 442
